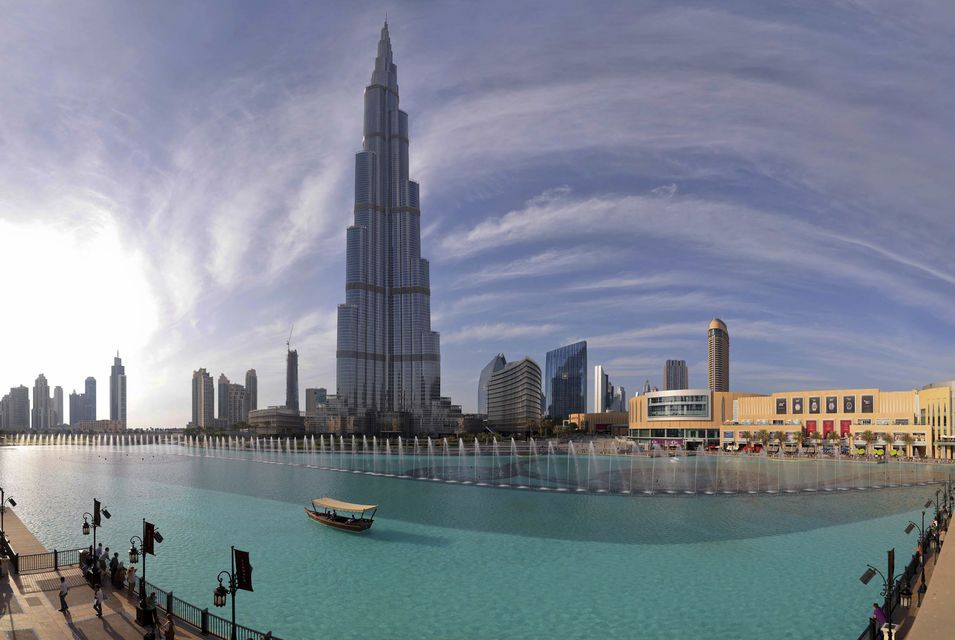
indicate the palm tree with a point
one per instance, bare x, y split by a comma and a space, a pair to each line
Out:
763, 437
908, 440
868, 437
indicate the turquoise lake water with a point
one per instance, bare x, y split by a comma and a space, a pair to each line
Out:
456, 561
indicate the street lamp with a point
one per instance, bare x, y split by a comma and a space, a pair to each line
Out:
890, 586
96, 520
146, 546
908, 530
3, 509
241, 579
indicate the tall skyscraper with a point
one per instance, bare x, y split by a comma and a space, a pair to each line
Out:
223, 385
291, 380
675, 375
42, 404
117, 390
251, 392
90, 399
57, 417
235, 397
388, 358
719, 356
566, 380
15, 409
619, 399
496, 364
203, 399
603, 391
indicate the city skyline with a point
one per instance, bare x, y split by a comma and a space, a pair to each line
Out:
803, 248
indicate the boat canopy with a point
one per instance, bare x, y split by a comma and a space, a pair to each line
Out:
338, 505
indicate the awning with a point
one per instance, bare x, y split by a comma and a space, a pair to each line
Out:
338, 505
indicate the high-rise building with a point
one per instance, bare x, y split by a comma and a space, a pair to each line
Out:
675, 375
388, 358
15, 410
90, 399
619, 399
203, 399
314, 398
566, 380
57, 417
77, 408
236, 413
223, 385
514, 397
291, 380
42, 404
496, 364
117, 390
603, 390
718, 356
251, 392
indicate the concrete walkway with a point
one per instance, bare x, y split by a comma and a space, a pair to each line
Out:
936, 617
29, 603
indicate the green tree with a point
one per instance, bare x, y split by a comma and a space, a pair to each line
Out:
868, 437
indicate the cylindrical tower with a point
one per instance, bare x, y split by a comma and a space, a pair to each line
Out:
719, 356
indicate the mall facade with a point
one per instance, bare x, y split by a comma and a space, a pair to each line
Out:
911, 423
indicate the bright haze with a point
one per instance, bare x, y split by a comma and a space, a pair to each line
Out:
176, 180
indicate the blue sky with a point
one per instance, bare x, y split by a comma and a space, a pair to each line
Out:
176, 180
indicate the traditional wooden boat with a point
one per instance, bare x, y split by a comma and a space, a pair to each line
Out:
346, 516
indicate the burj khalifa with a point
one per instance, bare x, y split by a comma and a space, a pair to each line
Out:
388, 358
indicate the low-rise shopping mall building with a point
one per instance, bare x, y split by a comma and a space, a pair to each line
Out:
912, 423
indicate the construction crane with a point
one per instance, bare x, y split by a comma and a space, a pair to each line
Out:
288, 343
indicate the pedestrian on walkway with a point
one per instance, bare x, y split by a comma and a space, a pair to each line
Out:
151, 608
98, 598
130, 580
64, 589
113, 566
879, 614
98, 552
169, 628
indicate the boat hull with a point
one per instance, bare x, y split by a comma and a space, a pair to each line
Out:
355, 526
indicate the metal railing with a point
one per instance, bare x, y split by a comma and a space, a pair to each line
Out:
49, 561
207, 623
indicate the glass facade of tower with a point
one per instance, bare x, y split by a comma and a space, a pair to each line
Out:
566, 381
388, 358
496, 364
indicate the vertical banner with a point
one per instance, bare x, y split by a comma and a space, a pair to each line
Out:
96, 513
832, 404
797, 406
780, 406
867, 404
243, 570
814, 404
149, 537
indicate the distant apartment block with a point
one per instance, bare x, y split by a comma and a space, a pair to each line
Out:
675, 375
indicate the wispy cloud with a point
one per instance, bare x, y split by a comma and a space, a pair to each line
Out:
497, 332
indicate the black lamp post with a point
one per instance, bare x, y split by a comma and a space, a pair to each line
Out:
908, 529
96, 520
241, 579
3, 508
890, 586
146, 546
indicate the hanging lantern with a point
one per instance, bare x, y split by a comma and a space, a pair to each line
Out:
133, 555
219, 595
86, 527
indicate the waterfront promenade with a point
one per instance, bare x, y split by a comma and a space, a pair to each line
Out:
29, 602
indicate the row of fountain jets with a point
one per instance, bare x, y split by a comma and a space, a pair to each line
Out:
543, 466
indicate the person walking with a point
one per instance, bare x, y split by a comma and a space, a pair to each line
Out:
98, 552
878, 614
64, 589
98, 598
